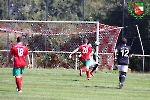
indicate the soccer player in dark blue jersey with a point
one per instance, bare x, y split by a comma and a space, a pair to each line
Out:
123, 52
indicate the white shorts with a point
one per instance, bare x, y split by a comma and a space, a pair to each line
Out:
123, 68
92, 63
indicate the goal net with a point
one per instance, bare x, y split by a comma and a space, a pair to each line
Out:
51, 42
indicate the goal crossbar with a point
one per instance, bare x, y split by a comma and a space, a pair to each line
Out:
28, 21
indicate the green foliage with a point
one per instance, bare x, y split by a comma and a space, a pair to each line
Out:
135, 64
65, 10
3, 9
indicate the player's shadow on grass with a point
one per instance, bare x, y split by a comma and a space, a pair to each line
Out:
75, 80
2, 90
104, 87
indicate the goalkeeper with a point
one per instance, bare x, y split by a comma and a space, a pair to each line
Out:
93, 63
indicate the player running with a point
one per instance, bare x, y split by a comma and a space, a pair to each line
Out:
123, 52
85, 50
93, 63
19, 52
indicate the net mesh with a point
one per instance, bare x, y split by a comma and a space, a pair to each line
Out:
108, 38
50, 43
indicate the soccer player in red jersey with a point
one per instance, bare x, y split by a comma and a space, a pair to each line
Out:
19, 52
85, 50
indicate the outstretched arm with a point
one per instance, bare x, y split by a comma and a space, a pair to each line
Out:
73, 52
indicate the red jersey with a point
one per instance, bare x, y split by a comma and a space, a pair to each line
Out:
19, 51
85, 51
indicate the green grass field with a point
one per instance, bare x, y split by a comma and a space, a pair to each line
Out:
62, 84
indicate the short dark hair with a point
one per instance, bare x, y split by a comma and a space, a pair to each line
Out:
19, 39
85, 40
124, 41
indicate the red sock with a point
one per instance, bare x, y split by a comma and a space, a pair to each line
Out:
21, 79
18, 83
88, 74
84, 69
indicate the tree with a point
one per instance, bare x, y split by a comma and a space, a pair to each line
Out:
3, 9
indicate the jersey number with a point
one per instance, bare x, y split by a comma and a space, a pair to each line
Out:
85, 50
20, 51
125, 53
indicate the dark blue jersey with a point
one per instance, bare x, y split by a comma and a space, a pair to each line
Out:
123, 52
